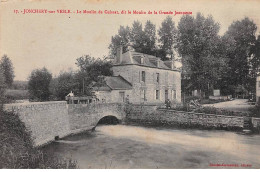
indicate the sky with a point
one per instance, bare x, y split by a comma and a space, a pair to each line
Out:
56, 40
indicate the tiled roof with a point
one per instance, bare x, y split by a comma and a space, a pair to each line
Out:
102, 88
132, 57
117, 83
113, 83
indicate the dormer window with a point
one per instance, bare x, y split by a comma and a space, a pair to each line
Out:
158, 63
142, 60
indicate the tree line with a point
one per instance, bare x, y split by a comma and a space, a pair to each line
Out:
209, 61
43, 86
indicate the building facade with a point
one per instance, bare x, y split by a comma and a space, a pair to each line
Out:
258, 89
152, 80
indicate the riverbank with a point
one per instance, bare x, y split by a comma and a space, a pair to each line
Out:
151, 115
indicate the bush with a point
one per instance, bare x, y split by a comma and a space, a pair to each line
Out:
189, 98
184, 107
38, 84
255, 111
16, 148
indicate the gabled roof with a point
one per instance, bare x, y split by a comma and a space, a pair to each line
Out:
117, 83
113, 83
134, 58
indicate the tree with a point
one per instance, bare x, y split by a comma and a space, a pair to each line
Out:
149, 38
241, 48
137, 37
8, 70
122, 38
143, 41
255, 60
91, 70
2, 87
38, 84
167, 38
201, 51
63, 84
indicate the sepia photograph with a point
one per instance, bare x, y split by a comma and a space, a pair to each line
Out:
120, 84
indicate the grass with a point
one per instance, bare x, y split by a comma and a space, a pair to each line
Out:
16, 148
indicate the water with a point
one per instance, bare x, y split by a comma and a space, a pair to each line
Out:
121, 146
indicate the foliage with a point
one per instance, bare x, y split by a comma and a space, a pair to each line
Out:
38, 84
255, 60
167, 37
137, 36
2, 87
8, 70
12, 95
16, 148
189, 98
240, 42
149, 38
62, 85
91, 70
20, 85
201, 50
255, 111
144, 40
122, 38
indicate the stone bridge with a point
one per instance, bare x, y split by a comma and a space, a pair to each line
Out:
47, 120
87, 116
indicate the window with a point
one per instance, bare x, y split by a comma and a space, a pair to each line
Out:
157, 94
174, 95
166, 94
157, 77
122, 96
143, 95
143, 76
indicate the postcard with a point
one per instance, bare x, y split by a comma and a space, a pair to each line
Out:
140, 84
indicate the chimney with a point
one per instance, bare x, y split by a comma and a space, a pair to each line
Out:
119, 53
172, 65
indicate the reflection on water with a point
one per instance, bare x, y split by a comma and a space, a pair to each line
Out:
120, 146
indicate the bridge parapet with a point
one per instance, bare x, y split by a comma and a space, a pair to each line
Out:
46, 120
86, 116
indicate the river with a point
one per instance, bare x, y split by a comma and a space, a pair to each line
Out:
123, 146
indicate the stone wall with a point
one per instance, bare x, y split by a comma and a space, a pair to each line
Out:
86, 116
190, 119
45, 120
168, 80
